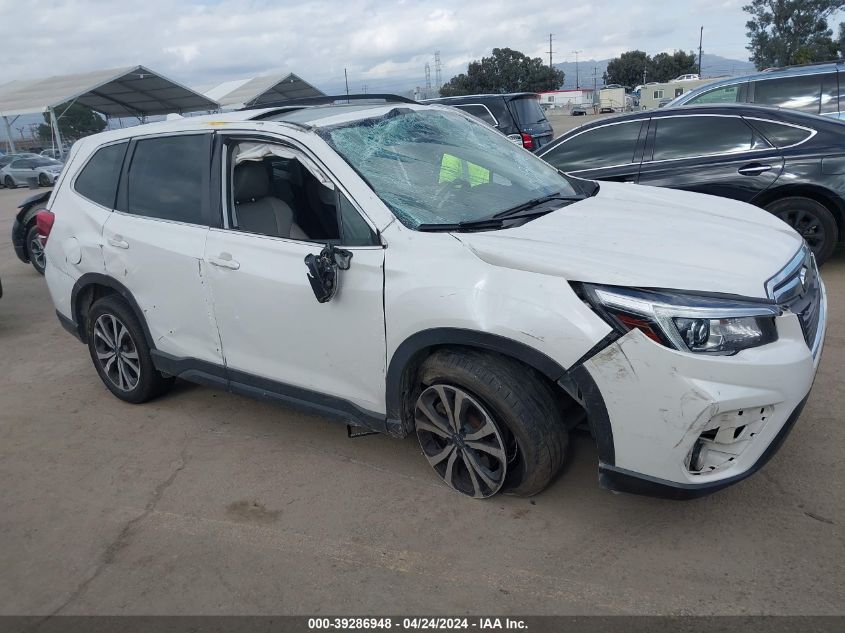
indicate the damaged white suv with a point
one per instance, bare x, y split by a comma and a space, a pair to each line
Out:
406, 269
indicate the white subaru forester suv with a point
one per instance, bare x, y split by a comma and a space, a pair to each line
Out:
406, 269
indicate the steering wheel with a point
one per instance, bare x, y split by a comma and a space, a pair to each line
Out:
446, 189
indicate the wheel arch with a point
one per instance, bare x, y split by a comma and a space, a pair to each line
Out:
814, 192
92, 286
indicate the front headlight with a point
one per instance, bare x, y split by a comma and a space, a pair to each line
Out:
692, 323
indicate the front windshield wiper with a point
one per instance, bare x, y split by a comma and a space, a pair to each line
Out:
496, 221
482, 223
535, 202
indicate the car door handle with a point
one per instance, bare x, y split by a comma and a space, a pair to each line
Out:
118, 242
224, 260
753, 169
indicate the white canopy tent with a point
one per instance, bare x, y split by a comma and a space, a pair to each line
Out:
133, 91
257, 91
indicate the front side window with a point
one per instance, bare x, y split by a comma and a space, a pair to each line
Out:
687, 137
435, 166
276, 192
728, 94
98, 179
604, 146
796, 93
167, 176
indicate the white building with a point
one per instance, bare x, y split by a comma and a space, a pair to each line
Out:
566, 98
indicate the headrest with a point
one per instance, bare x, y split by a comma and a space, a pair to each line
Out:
250, 182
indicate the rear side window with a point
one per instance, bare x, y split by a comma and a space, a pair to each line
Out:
795, 93
98, 179
781, 135
728, 94
686, 137
479, 111
604, 146
167, 176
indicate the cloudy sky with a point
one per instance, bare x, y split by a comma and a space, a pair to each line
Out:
200, 42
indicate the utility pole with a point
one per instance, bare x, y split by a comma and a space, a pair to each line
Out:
346, 79
437, 75
550, 50
577, 83
644, 75
700, 40
427, 80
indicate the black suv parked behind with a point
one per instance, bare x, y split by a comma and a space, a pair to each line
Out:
517, 115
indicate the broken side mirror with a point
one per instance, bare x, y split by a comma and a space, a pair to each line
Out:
322, 271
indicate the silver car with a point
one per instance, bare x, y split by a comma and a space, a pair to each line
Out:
44, 170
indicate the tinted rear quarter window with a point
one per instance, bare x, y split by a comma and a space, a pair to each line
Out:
600, 147
98, 179
686, 137
779, 134
166, 178
796, 93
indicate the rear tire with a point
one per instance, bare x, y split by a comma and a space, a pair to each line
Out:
120, 352
813, 221
34, 250
505, 403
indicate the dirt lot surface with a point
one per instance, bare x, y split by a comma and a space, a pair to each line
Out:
564, 122
206, 503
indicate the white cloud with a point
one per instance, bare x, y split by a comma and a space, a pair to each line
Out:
214, 41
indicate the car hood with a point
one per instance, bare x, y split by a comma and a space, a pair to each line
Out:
632, 235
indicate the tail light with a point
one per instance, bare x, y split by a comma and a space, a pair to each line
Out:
527, 140
44, 221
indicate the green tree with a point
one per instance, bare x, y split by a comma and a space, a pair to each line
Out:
665, 67
785, 32
75, 121
627, 69
506, 70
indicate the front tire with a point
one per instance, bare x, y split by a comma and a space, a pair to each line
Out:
35, 250
10, 184
120, 352
812, 220
43, 180
487, 423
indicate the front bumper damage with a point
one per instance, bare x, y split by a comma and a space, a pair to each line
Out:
682, 425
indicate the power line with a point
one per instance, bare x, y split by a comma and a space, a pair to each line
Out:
577, 85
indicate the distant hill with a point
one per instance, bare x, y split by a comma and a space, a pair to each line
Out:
711, 66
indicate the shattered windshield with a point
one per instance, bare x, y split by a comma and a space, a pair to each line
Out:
436, 166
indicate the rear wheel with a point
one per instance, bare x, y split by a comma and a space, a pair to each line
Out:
120, 352
487, 424
35, 250
812, 220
